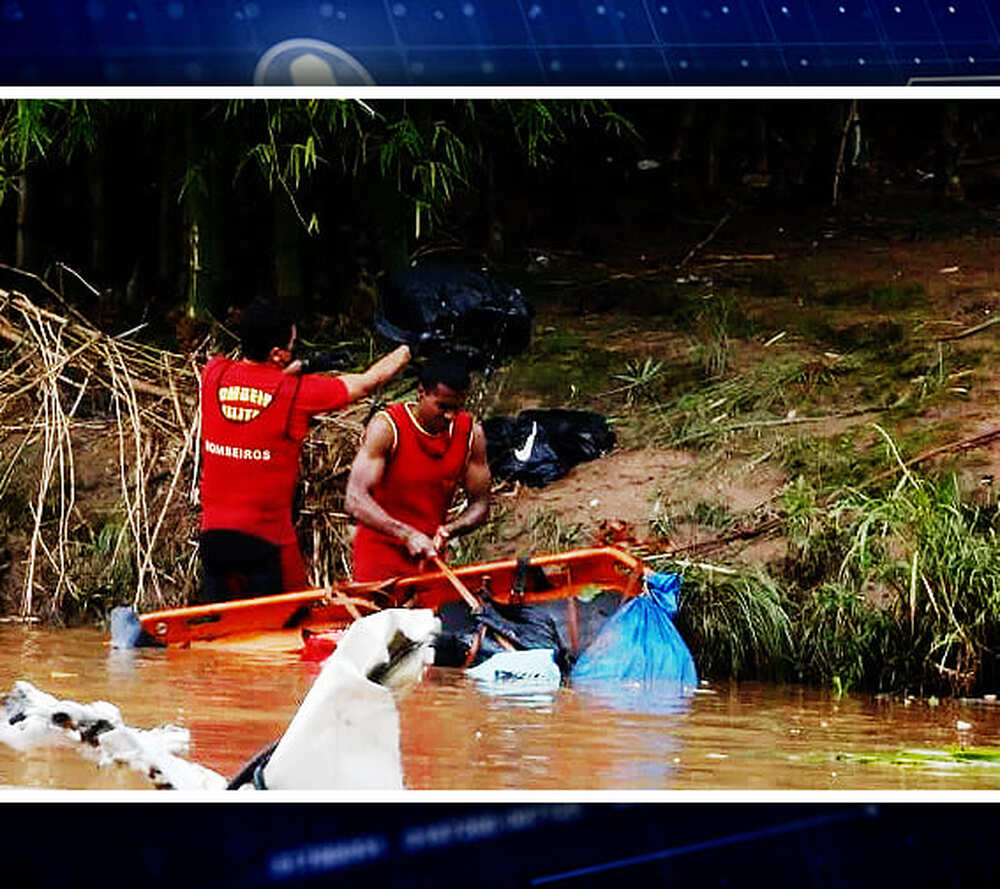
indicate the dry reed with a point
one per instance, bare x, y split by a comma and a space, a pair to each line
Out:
147, 402
143, 401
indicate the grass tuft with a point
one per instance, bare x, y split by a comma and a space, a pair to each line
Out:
735, 626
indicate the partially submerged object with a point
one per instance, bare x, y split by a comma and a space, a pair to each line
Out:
600, 615
34, 718
345, 736
518, 672
640, 643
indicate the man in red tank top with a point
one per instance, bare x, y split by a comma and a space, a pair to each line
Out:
413, 458
255, 416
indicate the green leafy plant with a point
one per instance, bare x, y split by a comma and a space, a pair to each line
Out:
638, 378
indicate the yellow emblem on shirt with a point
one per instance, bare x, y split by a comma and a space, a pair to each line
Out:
242, 403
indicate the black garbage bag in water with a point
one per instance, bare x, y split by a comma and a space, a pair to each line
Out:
469, 637
455, 309
539, 446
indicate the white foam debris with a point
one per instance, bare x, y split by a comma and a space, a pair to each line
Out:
34, 718
344, 736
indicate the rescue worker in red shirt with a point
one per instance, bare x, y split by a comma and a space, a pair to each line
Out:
413, 458
255, 416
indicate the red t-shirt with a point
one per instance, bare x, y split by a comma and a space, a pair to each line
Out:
254, 420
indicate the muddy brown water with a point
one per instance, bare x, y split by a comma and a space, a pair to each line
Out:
238, 697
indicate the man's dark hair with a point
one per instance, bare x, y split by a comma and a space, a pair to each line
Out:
263, 325
451, 371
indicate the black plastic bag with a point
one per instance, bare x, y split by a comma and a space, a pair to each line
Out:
576, 436
455, 309
539, 446
523, 626
462, 641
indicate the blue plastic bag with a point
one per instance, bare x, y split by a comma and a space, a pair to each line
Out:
640, 644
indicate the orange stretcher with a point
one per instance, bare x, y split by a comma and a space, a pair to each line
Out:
536, 579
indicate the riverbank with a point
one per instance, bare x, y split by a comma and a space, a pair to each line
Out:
804, 407
808, 429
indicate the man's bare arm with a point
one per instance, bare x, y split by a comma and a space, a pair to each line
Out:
367, 471
362, 384
383, 370
477, 488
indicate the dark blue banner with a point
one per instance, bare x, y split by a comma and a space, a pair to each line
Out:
498, 42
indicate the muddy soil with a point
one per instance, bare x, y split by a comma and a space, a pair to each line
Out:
782, 272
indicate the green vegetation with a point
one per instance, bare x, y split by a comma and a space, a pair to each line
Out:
735, 626
881, 591
231, 193
891, 580
885, 576
986, 758
558, 365
709, 414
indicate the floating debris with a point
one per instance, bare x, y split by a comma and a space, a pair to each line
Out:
34, 718
950, 757
518, 672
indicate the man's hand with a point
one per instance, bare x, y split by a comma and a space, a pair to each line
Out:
321, 362
419, 545
441, 537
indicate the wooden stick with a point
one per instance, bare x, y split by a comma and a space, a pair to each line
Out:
965, 444
460, 587
970, 331
852, 116
470, 600
704, 241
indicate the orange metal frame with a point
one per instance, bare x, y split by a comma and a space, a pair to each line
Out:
544, 578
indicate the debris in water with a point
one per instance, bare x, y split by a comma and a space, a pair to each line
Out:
37, 719
950, 757
345, 735
519, 672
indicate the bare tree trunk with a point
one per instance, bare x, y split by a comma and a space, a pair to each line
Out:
716, 143
852, 116
21, 237
287, 259
200, 221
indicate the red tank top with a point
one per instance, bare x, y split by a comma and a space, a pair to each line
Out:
417, 487
251, 462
